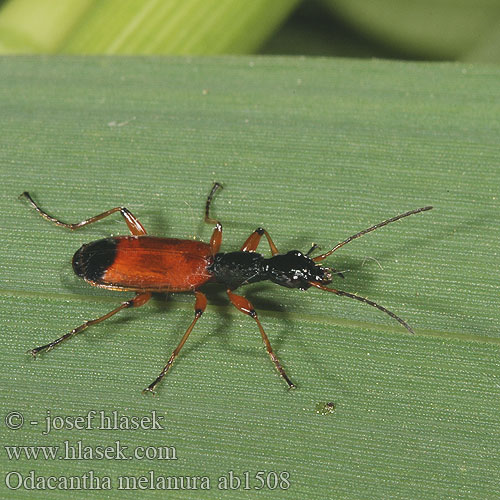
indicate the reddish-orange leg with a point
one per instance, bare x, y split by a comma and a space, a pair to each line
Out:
199, 309
241, 303
244, 305
253, 241
201, 300
139, 300
216, 239
135, 227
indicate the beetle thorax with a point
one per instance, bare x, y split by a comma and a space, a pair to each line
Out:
292, 270
238, 268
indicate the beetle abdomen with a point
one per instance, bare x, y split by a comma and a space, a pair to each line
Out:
145, 263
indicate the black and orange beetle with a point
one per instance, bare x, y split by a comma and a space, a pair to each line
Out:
146, 264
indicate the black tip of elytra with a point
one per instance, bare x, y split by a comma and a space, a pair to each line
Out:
93, 259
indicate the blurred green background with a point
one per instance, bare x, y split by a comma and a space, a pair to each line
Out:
467, 30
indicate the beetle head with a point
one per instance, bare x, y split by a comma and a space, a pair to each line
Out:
296, 270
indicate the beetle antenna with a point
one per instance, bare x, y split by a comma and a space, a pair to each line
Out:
362, 299
361, 233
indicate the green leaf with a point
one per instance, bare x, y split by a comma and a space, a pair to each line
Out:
140, 26
314, 150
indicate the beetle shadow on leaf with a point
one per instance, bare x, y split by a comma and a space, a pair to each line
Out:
227, 314
256, 294
158, 225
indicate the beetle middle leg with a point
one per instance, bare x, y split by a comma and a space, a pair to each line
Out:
199, 308
139, 300
216, 239
135, 227
244, 305
253, 241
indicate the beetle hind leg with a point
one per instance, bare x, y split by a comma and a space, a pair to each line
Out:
139, 300
135, 227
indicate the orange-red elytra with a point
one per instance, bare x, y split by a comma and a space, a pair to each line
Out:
146, 264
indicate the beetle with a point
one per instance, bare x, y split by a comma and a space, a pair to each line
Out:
146, 264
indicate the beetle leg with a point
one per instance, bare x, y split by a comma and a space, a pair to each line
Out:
139, 300
199, 308
135, 227
253, 241
216, 239
244, 305
209, 219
